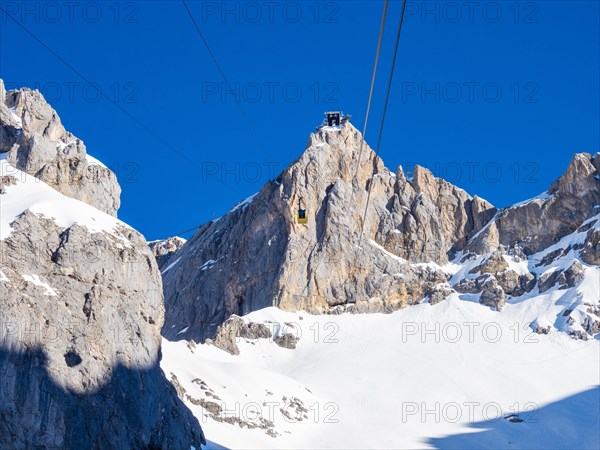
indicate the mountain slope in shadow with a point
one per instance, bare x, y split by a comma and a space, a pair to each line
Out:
36, 412
573, 422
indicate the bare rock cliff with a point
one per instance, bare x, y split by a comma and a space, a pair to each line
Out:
81, 307
37, 143
537, 223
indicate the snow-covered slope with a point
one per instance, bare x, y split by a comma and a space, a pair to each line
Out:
423, 377
25, 192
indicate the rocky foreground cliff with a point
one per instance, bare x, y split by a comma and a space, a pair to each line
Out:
81, 300
424, 239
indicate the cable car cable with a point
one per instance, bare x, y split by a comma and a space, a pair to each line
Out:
371, 89
378, 51
102, 94
225, 79
385, 105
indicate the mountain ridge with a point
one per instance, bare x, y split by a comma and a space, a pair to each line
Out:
257, 256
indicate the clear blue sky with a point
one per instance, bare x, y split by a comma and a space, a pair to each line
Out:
494, 97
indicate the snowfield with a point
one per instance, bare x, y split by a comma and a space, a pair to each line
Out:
453, 375
29, 193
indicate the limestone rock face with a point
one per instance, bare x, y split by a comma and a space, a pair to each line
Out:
81, 310
287, 340
430, 218
492, 294
591, 250
257, 255
38, 144
564, 279
493, 264
496, 267
227, 335
591, 325
439, 293
80, 342
164, 249
574, 274
538, 223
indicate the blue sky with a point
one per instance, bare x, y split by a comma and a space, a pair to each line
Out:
493, 96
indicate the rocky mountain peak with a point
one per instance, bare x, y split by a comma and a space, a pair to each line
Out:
36, 115
257, 255
578, 179
537, 223
37, 143
424, 182
331, 156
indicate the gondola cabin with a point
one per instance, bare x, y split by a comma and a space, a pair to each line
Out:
302, 216
302, 219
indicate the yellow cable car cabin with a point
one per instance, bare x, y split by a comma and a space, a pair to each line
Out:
302, 219
302, 216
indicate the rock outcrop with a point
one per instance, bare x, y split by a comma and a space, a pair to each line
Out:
562, 278
164, 249
439, 293
430, 219
37, 143
495, 272
591, 250
81, 314
234, 329
492, 294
